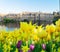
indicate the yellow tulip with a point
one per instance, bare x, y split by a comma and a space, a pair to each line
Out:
42, 34
48, 37
50, 28
35, 38
58, 25
25, 48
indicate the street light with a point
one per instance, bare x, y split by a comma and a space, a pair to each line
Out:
34, 18
38, 19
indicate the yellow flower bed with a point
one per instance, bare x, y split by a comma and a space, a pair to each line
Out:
31, 38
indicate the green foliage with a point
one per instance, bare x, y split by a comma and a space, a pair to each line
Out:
8, 20
56, 18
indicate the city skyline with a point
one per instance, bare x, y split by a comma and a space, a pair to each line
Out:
17, 6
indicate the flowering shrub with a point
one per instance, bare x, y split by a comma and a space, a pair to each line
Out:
31, 38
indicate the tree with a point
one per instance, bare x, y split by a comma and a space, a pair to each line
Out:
25, 20
8, 20
56, 18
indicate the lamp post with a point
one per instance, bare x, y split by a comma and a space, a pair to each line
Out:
30, 17
34, 19
38, 19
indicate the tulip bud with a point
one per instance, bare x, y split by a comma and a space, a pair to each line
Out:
29, 51
19, 44
32, 46
44, 46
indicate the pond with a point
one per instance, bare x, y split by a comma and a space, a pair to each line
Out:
9, 27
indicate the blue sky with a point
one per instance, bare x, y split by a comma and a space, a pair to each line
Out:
16, 6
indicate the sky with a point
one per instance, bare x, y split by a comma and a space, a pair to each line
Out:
17, 6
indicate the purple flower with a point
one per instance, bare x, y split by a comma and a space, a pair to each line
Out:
19, 44
44, 46
32, 46
29, 51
